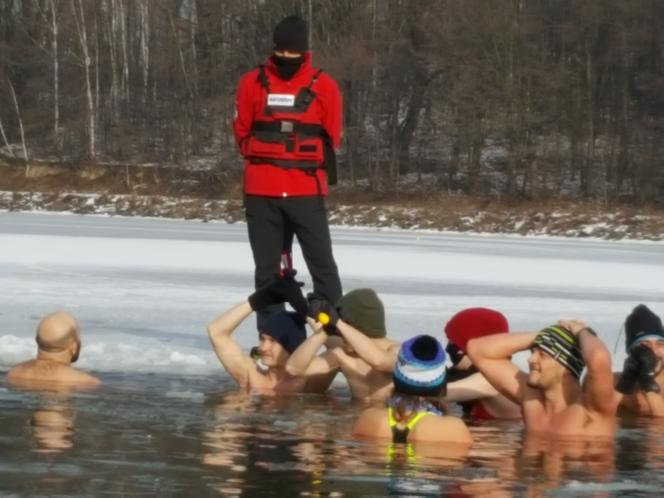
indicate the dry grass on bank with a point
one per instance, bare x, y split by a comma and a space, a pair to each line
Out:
166, 192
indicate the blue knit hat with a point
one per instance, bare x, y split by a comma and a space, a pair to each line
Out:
420, 367
286, 328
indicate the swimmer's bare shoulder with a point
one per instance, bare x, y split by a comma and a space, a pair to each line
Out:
40, 371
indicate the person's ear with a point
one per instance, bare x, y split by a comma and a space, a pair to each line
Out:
75, 350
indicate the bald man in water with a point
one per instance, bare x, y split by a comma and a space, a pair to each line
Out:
59, 345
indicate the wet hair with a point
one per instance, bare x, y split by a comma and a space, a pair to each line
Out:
405, 404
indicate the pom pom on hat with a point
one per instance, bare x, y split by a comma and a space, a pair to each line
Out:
420, 368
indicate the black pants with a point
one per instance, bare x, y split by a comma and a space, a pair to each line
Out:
272, 222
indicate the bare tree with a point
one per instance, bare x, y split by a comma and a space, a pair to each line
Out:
4, 139
144, 12
81, 28
53, 25
20, 127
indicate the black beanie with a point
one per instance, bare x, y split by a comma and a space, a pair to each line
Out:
286, 328
291, 34
362, 309
642, 324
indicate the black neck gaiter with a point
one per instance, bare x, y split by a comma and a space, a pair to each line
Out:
287, 66
454, 374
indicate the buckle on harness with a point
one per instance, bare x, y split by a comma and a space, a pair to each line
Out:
286, 126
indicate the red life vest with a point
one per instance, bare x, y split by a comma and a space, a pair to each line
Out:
285, 134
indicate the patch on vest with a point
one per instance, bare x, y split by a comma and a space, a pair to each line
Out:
280, 99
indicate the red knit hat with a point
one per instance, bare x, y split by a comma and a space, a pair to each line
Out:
474, 322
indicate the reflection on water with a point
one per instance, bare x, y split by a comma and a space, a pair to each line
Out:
158, 436
53, 428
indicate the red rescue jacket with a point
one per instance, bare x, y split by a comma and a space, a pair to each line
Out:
282, 150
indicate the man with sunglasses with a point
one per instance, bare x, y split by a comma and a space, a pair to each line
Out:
466, 385
354, 332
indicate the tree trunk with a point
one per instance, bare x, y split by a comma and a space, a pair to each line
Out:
145, 47
56, 76
81, 28
589, 161
122, 14
4, 138
20, 127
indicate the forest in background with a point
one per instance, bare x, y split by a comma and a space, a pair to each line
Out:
506, 98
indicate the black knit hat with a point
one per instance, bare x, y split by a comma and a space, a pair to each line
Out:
362, 309
286, 328
291, 34
642, 324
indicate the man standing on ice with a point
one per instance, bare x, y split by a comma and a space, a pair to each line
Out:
287, 124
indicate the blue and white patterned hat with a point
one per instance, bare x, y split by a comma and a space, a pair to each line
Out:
420, 367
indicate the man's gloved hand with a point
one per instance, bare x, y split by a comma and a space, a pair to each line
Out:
290, 290
630, 375
281, 289
639, 371
322, 311
264, 297
648, 363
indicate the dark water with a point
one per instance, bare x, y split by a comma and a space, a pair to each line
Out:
189, 436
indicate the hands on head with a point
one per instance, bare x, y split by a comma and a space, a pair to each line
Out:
314, 309
323, 313
575, 326
640, 367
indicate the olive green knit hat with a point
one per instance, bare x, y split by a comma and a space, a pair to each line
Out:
363, 309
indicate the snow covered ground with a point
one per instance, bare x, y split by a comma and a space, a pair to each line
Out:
144, 289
